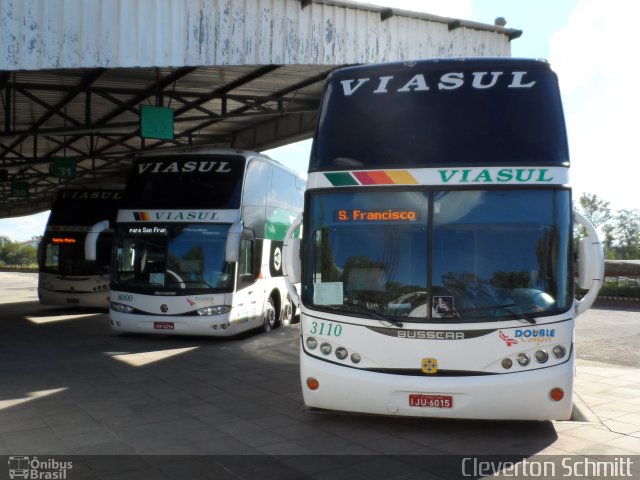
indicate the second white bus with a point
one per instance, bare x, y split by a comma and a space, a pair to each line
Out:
198, 244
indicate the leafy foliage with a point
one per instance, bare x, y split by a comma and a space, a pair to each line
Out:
16, 253
620, 230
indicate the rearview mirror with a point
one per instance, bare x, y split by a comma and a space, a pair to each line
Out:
91, 240
232, 250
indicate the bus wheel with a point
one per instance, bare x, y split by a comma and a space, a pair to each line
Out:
286, 315
269, 316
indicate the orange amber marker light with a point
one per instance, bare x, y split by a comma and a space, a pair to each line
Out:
556, 394
312, 383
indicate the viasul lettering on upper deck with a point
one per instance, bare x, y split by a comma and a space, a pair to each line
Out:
204, 166
447, 82
92, 195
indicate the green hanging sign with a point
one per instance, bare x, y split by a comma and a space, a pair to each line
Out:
62, 167
19, 189
156, 122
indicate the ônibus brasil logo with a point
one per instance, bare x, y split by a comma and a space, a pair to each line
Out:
33, 468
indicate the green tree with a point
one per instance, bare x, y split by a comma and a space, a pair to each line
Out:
15, 253
597, 211
626, 232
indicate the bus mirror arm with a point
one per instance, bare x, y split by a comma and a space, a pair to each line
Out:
232, 248
91, 240
291, 260
590, 264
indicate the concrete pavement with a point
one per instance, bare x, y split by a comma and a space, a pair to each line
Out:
164, 407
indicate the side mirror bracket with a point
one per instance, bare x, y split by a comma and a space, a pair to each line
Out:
590, 264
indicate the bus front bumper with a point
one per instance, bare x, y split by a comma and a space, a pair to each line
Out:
209, 325
515, 396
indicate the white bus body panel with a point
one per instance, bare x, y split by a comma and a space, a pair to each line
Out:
165, 314
479, 386
74, 290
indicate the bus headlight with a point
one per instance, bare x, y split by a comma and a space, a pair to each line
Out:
312, 343
541, 356
215, 310
355, 357
559, 351
120, 307
523, 359
341, 353
326, 348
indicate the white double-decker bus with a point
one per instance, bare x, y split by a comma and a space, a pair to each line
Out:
65, 276
198, 244
436, 266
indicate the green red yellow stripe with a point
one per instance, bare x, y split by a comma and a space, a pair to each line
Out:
141, 216
371, 177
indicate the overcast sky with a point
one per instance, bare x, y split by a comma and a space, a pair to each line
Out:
593, 47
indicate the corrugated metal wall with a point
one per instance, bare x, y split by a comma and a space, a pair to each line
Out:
43, 34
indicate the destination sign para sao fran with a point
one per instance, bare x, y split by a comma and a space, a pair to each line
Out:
154, 230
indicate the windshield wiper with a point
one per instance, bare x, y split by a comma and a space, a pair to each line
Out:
375, 315
520, 316
506, 308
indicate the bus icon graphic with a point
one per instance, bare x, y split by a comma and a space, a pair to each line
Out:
18, 467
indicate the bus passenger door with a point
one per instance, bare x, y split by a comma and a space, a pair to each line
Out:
247, 298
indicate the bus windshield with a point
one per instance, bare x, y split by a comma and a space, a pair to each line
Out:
62, 253
439, 255
424, 114
172, 257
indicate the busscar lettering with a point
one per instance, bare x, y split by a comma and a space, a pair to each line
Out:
205, 166
448, 81
430, 334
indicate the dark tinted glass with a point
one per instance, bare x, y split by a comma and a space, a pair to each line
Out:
482, 112
84, 207
185, 181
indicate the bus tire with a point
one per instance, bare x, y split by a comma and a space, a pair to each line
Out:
269, 316
286, 314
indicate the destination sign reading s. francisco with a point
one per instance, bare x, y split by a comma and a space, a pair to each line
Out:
382, 215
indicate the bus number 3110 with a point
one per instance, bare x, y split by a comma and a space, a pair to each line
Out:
328, 329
